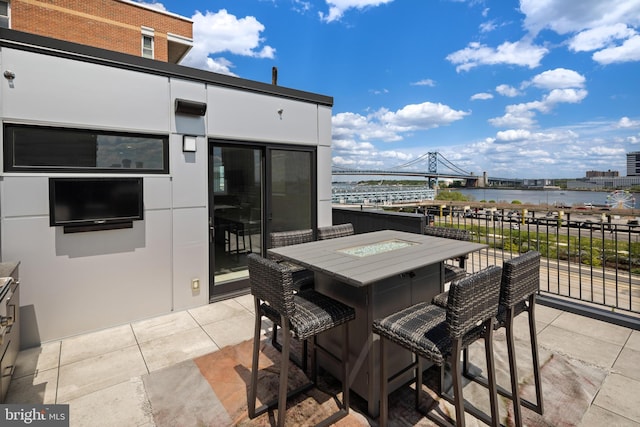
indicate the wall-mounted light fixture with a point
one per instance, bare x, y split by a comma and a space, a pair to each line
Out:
191, 108
189, 143
280, 111
9, 75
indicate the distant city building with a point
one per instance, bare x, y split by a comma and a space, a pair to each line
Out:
633, 163
605, 174
602, 183
537, 183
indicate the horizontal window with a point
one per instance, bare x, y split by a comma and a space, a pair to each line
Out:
45, 149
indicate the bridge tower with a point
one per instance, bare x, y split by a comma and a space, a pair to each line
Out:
433, 168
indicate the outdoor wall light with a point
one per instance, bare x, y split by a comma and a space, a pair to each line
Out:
280, 111
189, 143
9, 75
190, 108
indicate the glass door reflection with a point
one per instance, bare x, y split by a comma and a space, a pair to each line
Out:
236, 211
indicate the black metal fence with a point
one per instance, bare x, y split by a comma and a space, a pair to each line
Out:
585, 260
588, 261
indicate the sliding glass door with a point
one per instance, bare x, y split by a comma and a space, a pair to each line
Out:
253, 190
235, 213
292, 195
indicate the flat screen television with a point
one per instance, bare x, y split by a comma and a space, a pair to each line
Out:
96, 203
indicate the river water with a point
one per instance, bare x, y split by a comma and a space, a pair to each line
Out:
551, 197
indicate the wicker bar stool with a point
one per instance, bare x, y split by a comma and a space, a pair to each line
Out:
304, 314
439, 334
334, 231
451, 271
520, 284
302, 277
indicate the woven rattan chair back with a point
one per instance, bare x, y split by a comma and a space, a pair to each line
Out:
334, 231
520, 278
452, 271
472, 300
287, 238
447, 232
272, 283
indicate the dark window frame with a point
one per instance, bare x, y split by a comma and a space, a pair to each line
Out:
9, 152
5, 19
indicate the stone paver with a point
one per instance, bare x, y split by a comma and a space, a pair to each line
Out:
620, 394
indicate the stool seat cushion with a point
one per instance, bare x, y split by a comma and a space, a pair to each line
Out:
422, 328
314, 313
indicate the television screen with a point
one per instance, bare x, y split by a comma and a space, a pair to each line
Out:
87, 201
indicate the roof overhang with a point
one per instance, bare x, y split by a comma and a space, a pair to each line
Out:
178, 48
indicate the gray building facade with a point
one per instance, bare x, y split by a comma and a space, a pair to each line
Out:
205, 144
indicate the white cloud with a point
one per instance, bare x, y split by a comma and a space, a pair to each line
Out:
607, 27
337, 8
487, 27
566, 151
600, 37
506, 90
397, 155
352, 146
301, 6
353, 154
523, 115
513, 135
215, 33
385, 125
569, 96
628, 51
153, 5
218, 65
559, 78
519, 116
519, 53
563, 85
424, 82
481, 96
565, 17
626, 122
421, 116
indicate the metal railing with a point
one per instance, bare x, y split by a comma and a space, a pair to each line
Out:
590, 268
593, 262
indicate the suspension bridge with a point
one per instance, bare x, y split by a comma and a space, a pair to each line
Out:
411, 168
433, 160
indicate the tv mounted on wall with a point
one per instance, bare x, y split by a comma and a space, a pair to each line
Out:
88, 204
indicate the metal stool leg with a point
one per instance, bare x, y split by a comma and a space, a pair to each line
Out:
457, 382
253, 390
345, 366
418, 381
384, 398
284, 373
513, 368
539, 408
491, 372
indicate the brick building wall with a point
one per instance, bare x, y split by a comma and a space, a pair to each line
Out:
107, 24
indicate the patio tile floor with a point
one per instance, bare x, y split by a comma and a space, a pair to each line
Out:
99, 374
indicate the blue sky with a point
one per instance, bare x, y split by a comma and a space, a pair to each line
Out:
528, 89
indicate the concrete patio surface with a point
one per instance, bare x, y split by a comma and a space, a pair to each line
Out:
100, 375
